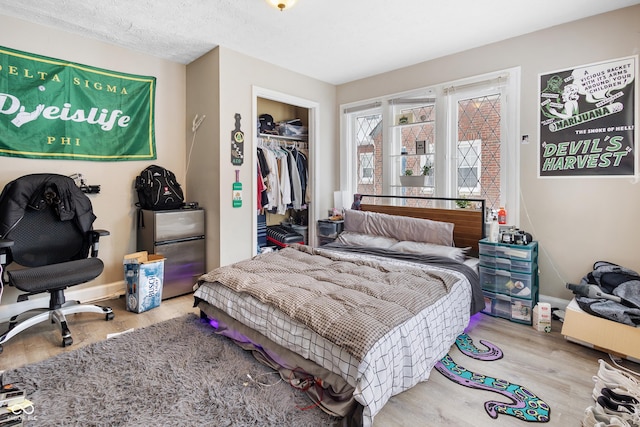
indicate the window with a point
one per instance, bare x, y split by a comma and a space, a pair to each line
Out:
479, 122
366, 168
411, 147
465, 131
364, 127
469, 161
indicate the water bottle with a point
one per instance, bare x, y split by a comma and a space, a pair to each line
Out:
494, 231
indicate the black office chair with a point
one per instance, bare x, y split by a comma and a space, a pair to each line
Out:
46, 234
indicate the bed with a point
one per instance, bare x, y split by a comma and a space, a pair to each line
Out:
354, 322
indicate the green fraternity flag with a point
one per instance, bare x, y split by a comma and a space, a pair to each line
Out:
55, 109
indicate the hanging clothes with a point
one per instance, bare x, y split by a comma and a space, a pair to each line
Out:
301, 161
305, 153
296, 184
285, 185
287, 179
261, 188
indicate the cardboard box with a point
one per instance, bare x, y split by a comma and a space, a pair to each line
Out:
542, 317
144, 276
601, 334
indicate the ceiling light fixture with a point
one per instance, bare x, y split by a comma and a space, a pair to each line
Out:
282, 4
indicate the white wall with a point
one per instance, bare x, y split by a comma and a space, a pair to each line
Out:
114, 205
576, 221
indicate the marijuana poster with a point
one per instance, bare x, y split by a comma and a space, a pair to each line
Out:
587, 119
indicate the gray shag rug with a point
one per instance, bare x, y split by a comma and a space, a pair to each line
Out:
174, 373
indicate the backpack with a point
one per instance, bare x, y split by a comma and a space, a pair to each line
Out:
614, 280
609, 276
158, 189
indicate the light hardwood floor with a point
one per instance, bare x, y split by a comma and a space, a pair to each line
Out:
558, 371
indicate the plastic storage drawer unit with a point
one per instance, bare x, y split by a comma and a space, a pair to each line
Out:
328, 228
514, 252
509, 279
487, 261
487, 278
507, 264
521, 252
514, 284
506, 307
515, 265
520, 285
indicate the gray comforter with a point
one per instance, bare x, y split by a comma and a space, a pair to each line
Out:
350, 302
477, 303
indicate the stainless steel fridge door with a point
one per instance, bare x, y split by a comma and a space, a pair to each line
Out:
184, 264
177, 224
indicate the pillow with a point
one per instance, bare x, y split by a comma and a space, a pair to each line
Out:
457, 254
358, 239
399, 227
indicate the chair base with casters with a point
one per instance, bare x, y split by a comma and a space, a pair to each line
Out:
31, 280
57, 316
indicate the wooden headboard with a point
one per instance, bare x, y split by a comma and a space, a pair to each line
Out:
468, 222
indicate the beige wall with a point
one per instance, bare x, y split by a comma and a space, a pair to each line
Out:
221, 84
114, 205
576, 221
573, 227
237, 76
203, 94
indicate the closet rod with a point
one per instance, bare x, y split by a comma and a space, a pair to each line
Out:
283, 141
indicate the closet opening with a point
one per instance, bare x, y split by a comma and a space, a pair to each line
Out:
284, 171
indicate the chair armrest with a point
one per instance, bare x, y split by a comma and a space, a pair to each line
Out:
101, 233
95, 240
5, 244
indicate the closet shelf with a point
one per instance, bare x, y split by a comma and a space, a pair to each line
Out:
288, 138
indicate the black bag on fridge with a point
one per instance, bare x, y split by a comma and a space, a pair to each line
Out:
158, 189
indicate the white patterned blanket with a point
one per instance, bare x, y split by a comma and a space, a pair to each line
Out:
380, 324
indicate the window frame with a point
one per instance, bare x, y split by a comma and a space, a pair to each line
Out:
506, 81
349, 151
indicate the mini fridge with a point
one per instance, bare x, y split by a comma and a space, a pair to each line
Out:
178, 235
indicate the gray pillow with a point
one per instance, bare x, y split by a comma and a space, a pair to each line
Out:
352, 238
457, 254
399, 227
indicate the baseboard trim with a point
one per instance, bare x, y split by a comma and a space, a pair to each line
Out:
86, 295
116, 289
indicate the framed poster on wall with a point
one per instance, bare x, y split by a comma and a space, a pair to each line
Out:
588, 120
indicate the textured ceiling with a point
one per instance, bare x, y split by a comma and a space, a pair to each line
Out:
331, 40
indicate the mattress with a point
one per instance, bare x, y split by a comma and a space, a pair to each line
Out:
399, 357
